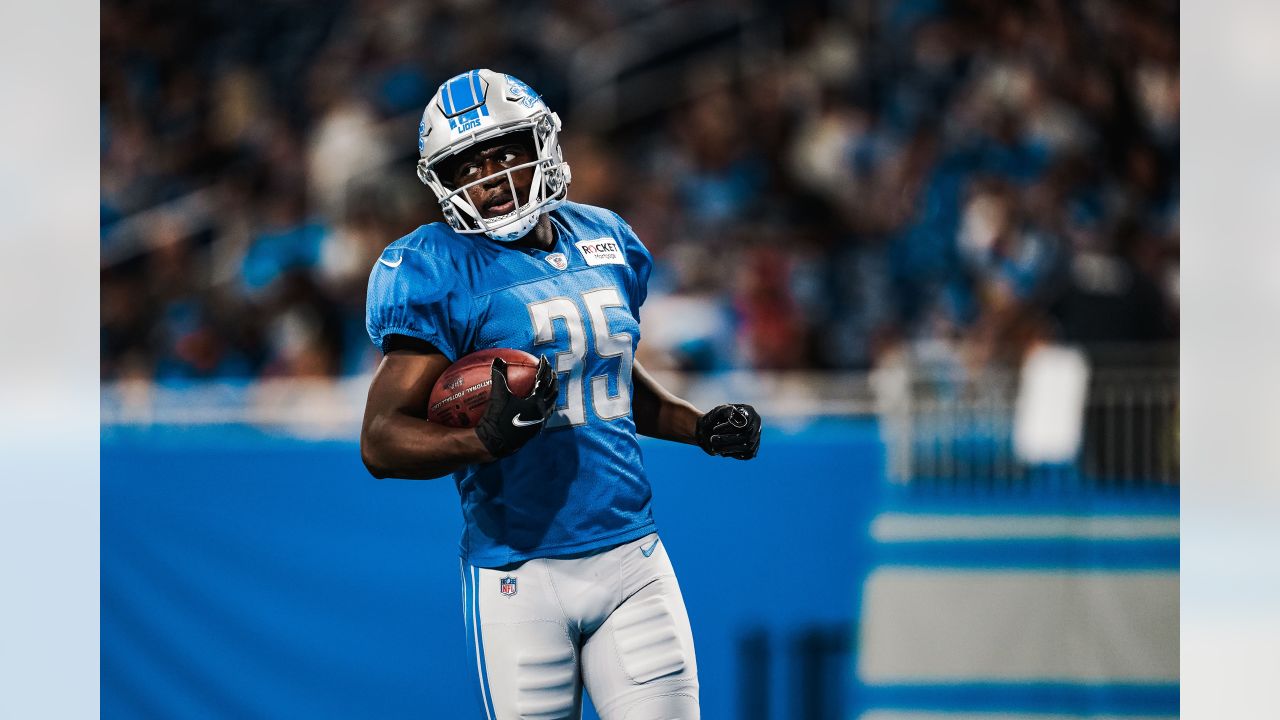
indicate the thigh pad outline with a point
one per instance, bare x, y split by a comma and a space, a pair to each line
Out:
647, 643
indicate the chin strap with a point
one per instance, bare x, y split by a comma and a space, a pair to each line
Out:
512, 231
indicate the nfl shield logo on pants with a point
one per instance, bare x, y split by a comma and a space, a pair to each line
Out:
507, 586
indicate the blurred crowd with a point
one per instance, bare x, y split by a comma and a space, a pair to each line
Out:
822, 184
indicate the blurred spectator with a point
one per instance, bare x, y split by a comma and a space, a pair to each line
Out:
819, 183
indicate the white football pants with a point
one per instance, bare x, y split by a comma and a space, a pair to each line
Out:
614, 622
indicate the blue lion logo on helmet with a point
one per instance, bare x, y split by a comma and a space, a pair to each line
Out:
518, 91
423, 132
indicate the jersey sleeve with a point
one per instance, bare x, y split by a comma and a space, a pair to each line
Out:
411, 293
640, 262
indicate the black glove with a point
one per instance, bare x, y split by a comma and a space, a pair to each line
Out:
509, 421
730, 430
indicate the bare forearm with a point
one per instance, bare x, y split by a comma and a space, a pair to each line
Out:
660, 414
402, 446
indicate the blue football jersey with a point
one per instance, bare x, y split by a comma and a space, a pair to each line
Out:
580, 484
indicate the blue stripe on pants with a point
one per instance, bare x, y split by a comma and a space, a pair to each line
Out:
475, 638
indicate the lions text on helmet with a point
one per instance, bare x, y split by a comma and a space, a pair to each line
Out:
483, 120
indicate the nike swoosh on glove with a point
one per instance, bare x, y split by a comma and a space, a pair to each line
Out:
730, 431
510, 421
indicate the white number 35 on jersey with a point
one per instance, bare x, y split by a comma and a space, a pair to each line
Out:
571, 361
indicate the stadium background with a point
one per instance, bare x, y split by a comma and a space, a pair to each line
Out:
936, 243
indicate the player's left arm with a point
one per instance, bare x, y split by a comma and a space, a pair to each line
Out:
660, 414
728, 430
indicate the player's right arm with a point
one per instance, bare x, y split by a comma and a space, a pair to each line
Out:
419, 315
416, 314
396, 440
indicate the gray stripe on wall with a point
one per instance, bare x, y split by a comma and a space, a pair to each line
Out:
902, 527
928, 626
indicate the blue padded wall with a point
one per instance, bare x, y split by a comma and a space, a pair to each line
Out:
251, 576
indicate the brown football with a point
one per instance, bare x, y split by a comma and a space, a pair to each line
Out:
461, 393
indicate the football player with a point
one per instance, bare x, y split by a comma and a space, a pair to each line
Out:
566, 583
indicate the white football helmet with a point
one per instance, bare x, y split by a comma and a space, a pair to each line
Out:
478, 106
